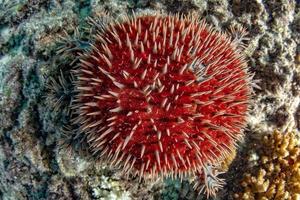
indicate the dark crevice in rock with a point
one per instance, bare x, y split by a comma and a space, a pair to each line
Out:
239, 166
296, 84
13, 44
297, 117
178, 6
70, 182
272, 80
280, 117
19, 106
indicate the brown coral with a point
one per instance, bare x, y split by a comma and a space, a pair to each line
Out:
278, 176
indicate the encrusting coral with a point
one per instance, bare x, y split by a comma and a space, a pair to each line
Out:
278, 176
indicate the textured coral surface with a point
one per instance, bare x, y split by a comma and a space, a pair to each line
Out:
32, 164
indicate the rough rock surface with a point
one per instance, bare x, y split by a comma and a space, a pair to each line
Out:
32, 163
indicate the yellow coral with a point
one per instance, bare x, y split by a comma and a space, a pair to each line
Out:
278, 176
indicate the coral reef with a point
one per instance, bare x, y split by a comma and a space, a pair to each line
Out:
278, 170
32, 163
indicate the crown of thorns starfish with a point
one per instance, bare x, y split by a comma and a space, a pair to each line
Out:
163, 95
